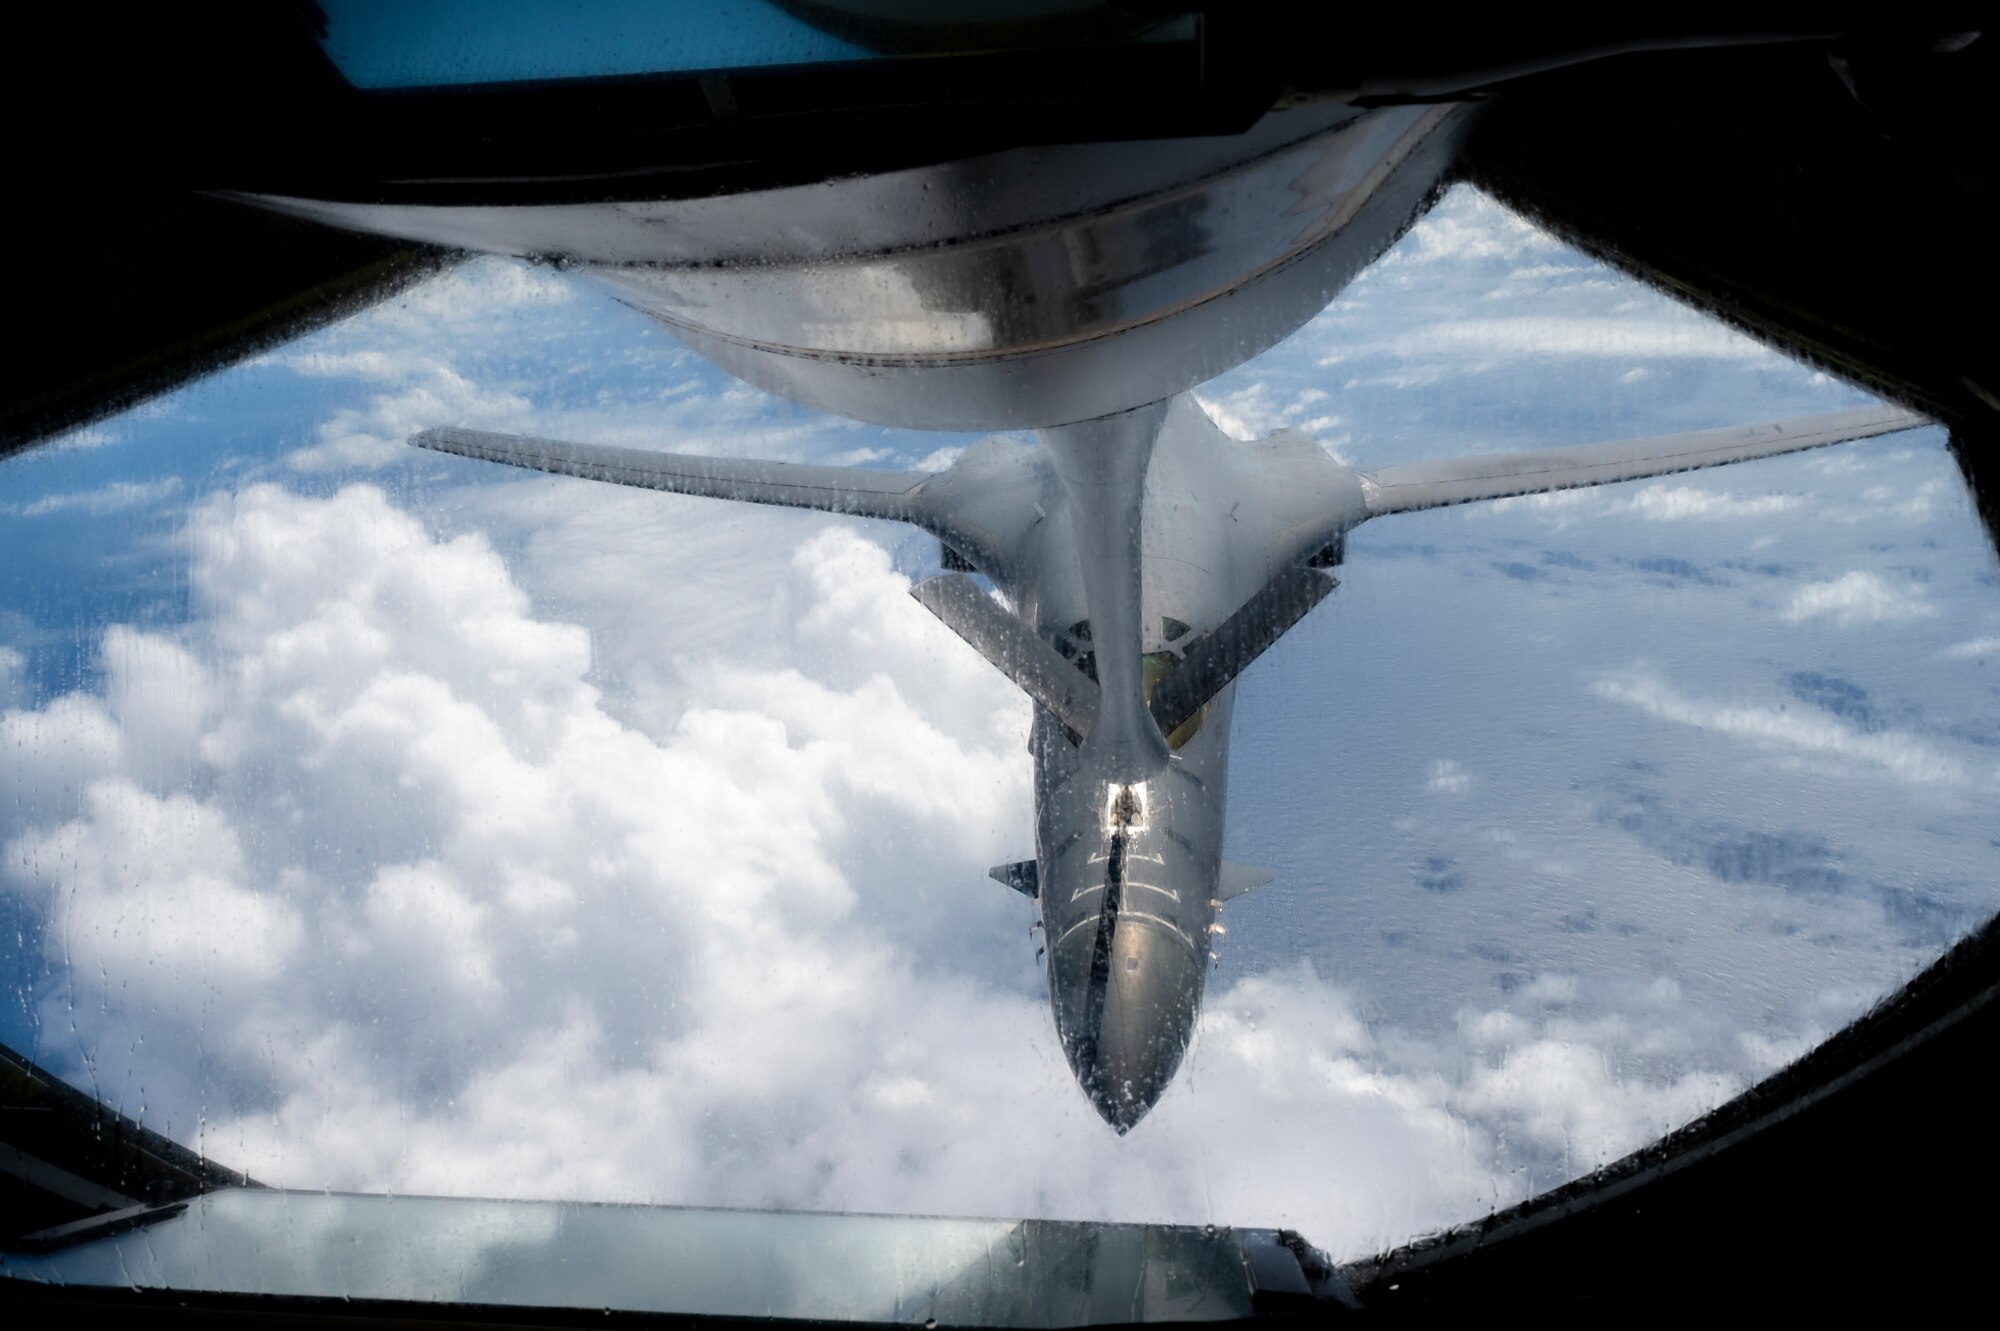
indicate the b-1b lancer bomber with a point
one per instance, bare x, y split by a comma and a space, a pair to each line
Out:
1145, 559
1142, 559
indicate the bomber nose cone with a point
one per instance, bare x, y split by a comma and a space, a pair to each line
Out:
1126, 1026
1124, 1084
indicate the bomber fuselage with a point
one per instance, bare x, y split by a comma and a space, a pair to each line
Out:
1161, 529
1080, 290
1146, 559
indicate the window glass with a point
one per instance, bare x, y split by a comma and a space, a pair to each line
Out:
379, 820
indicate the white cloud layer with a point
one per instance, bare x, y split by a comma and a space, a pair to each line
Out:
116, 497
1900, 755
1474, 231
1860, 597
1568, 337
365, 836
1681, 503
1974, 648
375, 861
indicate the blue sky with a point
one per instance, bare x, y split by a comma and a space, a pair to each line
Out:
384, 820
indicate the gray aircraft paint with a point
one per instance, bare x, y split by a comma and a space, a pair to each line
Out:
1021, 289
1130, 524
1077, 289
1080, 290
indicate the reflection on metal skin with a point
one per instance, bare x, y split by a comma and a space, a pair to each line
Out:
1103, 536
1080, 290
1024, 289
1126, 1008
1127, 875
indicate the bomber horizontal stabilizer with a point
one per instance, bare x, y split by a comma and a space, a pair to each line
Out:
1021, 876
1237, 879
1042, 672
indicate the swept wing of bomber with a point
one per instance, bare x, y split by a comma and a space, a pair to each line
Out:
1141, 558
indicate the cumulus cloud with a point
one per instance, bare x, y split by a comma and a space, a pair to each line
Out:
388, 871
1973, 649
1256, 410
1680, 503
56, 750
450, 353
1900, 755
365, 837
1648, 503
1478, 229
113, 498
13, 666
1569, 337
154, 892
1860, 597
426, 391
89, 437
424, 359
1448, 778
1555, 1086
1229, 416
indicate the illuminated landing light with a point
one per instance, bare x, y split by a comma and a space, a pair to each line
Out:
1125, 808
